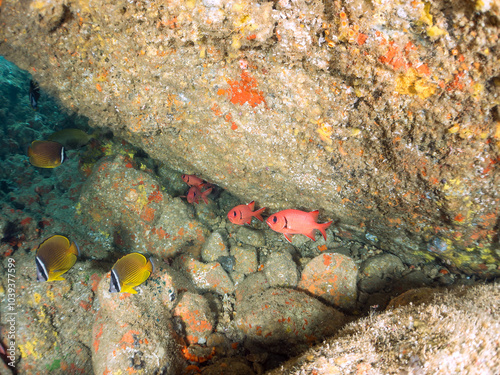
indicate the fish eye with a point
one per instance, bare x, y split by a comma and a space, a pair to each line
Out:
234, 213
275, 219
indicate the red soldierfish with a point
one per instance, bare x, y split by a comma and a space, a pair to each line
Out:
243, 213
195, 193
192, 180
296, 222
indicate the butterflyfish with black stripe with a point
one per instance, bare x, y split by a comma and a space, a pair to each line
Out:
130, 271
46, 154
54, 257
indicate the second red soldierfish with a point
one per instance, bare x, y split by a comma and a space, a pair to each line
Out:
243, 213
194, 194
192, 180
297, 222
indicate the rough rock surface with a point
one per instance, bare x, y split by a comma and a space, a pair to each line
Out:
431, 332
125, 337
333, 278
280, 270
379, 271
280, 315
125, 206
385, 117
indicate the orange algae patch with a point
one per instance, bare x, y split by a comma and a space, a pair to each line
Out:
97, 341
85, 305
148, 214
128, 337
155, 196
362, 38
327, 260
322, 248
423, 69
196, 353
244, 91
95, 281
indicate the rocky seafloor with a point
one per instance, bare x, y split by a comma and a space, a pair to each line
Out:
223, 298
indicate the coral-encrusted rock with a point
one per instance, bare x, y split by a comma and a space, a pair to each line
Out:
332, 277
384, 117
206, 277
281, 270
379, 271
252, 284
246, 259
215, 247
278, 316
161, 288
133, 331
124, 344
52, 319
127, 206
198, 319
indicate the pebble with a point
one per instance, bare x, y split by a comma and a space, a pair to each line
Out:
206, 277
227, 262
281, 270
246, 259
250, 236
378, 271
215, 247
332, 277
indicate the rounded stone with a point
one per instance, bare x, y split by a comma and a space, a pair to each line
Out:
332, 277
281, 270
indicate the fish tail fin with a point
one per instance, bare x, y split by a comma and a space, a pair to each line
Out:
56, 276
205, 194
322, 227
128, 289
257, 213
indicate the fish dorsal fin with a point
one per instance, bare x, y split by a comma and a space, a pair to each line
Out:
314, 214
251, 205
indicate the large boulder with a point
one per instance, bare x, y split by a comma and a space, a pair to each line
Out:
126, 207
385, 117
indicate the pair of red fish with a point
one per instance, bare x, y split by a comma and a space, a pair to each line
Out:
195, 192
287, 222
